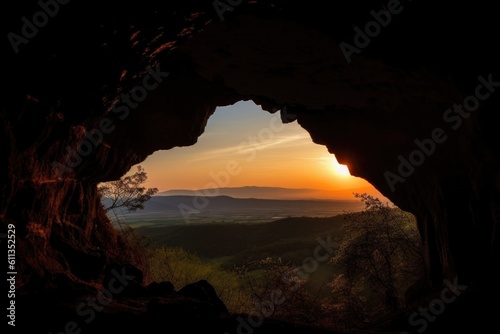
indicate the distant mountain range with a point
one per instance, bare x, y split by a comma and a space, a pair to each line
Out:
275, 193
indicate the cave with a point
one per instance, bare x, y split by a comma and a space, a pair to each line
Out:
94, 89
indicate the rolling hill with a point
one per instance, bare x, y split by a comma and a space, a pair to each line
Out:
275, 193
292, 239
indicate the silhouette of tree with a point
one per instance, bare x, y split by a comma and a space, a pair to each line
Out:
127, 192
381, 256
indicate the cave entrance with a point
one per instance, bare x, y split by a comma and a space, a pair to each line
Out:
256, 206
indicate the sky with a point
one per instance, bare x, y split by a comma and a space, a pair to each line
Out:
245, 146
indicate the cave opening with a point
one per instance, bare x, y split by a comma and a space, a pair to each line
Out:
266, 218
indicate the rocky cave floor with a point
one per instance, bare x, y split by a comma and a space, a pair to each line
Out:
65, 306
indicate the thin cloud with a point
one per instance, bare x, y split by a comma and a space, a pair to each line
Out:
245, 147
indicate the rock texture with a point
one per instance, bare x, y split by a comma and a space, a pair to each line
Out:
65, 86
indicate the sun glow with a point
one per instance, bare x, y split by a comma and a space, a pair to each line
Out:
339, 169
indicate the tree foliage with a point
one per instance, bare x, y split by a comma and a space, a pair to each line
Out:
127, 192
281, 290
381, 256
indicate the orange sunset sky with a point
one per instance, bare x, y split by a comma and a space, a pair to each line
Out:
245, 146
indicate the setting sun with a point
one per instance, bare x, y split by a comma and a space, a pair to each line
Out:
342, 170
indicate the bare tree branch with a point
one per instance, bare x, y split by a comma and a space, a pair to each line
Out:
127, 192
